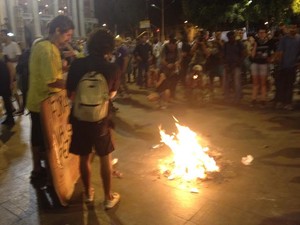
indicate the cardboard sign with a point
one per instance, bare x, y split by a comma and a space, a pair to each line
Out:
64, 166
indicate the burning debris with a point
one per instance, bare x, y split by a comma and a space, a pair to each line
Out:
190, 161
247, 160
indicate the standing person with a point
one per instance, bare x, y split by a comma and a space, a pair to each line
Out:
170, 63
5, 92
287, 56
260, 58
184, 57
11, 53
122, 59
45, 78
22, 70
95, 135
214, 63
143, 53
234, 54
200, 53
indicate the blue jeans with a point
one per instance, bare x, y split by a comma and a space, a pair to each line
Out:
232, 82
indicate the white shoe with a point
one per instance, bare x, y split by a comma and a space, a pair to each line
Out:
108, 204
89, 197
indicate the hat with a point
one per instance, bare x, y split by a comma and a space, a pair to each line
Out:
197, 68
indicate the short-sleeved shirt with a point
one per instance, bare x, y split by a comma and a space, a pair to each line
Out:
12, 50
264, 50
45, 67
290, 47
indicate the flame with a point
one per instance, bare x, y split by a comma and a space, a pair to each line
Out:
190, 159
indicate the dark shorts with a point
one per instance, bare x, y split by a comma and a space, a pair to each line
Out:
87, 136
37, 135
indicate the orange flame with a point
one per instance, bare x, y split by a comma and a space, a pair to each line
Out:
191, 161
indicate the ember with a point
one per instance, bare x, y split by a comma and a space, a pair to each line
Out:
190, 160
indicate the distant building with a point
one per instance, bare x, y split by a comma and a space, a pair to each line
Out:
28, 19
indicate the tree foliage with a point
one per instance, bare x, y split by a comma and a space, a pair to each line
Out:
228, 14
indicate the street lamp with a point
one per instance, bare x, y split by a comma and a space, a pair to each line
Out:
162, 9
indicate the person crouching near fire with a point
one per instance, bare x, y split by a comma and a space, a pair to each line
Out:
162, 93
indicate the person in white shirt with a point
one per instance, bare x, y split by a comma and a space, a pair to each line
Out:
11, 54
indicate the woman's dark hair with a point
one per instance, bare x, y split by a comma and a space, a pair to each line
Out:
62, 22
101, 42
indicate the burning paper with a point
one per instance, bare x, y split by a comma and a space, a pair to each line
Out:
190, 160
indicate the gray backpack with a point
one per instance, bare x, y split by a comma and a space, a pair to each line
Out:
91, 98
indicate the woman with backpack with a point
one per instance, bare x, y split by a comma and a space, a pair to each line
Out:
91, 120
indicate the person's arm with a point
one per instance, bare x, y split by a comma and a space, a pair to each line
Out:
253, 51
162, 77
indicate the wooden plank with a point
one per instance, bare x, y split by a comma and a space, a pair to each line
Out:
64, 166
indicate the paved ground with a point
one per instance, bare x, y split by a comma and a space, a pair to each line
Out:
267, 192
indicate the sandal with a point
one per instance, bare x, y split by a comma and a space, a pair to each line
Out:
108, 204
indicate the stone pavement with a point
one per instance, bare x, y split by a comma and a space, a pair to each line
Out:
267, 192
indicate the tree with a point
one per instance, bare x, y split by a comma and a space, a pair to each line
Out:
229, 14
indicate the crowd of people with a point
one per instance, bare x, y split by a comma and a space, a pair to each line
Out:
264, 59
53, 63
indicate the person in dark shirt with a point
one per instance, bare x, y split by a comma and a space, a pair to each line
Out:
87, 136
234, 55
5, 92
260, 58
143, 54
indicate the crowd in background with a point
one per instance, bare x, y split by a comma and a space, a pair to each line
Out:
233, 58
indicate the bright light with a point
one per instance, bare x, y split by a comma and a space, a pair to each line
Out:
155, 6
40, 13
104, 25
249, 2
10, 34
266, 22
186, 21
117, 36
65, 7
46, 6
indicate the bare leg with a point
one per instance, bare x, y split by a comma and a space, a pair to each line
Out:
255, 86
106, 175
263, 84
85, 171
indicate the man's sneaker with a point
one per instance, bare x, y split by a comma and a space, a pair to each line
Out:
108, 204
89, 197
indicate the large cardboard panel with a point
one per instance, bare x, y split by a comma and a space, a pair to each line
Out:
64, 166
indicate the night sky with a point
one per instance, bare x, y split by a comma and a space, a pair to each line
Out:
173, 12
